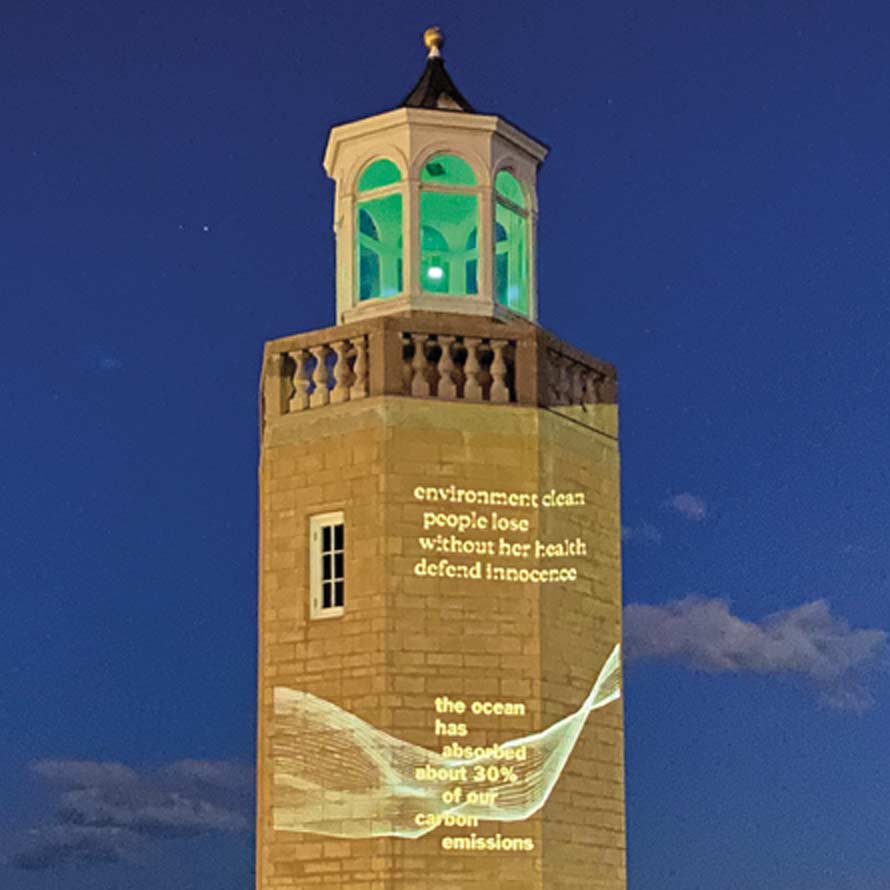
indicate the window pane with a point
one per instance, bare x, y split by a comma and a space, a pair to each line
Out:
511, 265
379, 247
378, 174
446, 223
472, 272
508, 185
367, 226
327, 563
501, 276
368, 274
447, 170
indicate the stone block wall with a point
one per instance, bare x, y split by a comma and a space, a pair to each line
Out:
406, 638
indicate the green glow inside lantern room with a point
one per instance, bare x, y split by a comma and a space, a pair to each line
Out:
378, 233
379, 174
507, 186
448, 222
511, 243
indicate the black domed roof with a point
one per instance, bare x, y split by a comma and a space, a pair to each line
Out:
436, 89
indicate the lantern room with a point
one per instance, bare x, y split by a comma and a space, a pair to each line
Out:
435, 206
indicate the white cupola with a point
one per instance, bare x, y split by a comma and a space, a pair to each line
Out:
435, 207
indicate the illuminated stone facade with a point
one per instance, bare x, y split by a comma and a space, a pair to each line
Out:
414, 424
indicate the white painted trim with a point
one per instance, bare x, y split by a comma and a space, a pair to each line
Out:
316, 523
426, 302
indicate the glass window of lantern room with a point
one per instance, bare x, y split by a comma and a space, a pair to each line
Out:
449, 217
378, 232
511, 243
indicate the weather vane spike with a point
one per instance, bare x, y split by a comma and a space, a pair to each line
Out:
434, 40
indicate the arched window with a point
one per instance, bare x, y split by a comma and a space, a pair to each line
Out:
449, 216
378, 231
511, 243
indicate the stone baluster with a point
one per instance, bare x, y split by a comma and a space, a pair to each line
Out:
576, 384
472, 386
321, 395
342, 374
420, 385
407, 371
499, 391
552, 371
300, 399
553, 367
603, 388
447, 387
359, 388
589, 387
563, 383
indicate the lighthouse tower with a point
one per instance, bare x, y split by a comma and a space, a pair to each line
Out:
439, 573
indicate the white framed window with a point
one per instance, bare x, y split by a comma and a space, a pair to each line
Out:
326, 565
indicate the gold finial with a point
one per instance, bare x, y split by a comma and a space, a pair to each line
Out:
434, 40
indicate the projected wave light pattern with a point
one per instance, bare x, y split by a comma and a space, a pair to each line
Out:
334, 774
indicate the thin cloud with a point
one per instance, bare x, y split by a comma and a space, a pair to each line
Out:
691, 506
642, 532
108, 812
806, 642
53, 846
216, 773
100, 360
109, 363
85, 773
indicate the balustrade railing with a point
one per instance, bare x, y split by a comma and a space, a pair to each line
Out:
432, 356
328, 373
447, 366
572, 382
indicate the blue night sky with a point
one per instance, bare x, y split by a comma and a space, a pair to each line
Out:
715, 220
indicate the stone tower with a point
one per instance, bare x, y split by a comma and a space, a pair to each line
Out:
439, 564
